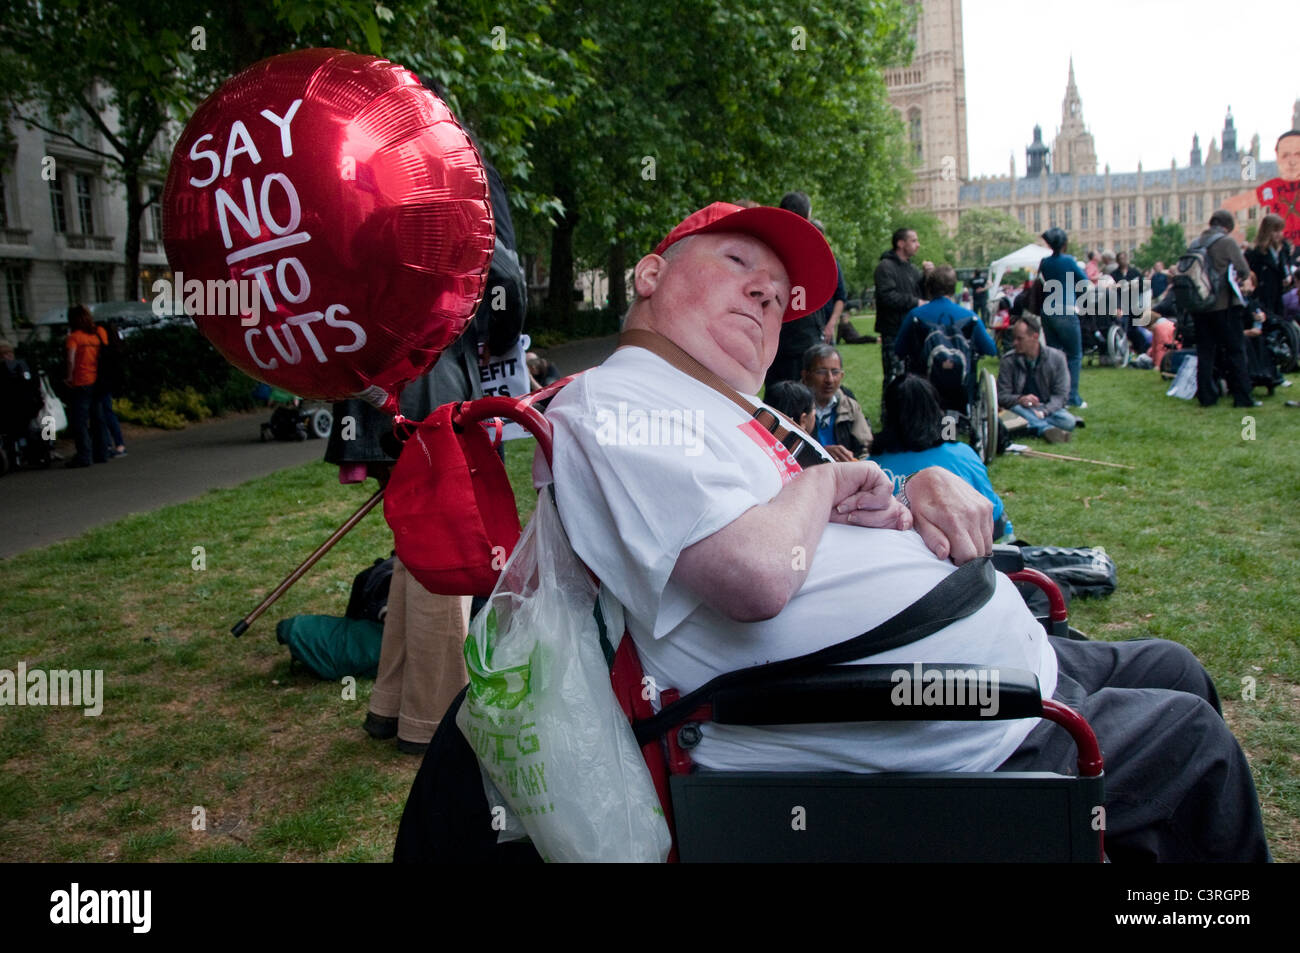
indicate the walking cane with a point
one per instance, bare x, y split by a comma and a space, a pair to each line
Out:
240, 627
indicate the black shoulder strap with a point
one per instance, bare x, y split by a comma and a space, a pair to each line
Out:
961, 594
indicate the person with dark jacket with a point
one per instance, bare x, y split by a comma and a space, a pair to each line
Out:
1220, 328
1270, 260
799, 335
898, 291
421, 660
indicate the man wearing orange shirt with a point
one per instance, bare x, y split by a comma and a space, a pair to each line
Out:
83, 344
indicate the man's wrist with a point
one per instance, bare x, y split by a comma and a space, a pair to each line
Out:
901, 493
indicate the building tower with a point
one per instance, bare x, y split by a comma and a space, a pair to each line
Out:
1196, 151
1295, 115
930, 96
1036, 161
1229, 151
1073, 149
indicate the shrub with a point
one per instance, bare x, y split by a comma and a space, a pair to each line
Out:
148, 416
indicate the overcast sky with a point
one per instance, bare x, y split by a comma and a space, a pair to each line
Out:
1136, 64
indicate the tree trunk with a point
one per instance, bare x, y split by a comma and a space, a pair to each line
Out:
617, 282
559, 298
134, 206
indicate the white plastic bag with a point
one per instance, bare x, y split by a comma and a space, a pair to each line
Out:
542, 718
1184, 384
53, 408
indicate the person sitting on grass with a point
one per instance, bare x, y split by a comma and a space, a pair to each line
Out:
1034, 383
918, 434
841, 426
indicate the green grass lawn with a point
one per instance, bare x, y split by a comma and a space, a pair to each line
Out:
1204, 532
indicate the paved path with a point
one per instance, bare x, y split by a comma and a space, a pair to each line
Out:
39, 507
580, 355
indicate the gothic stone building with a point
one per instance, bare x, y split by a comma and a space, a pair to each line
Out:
930, 96
1115, 211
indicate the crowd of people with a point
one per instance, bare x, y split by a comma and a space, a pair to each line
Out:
1255, 290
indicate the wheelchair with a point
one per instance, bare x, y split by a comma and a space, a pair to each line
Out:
1106, 339
819, 816
974, 402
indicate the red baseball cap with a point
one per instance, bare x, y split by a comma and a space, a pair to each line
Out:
796, 241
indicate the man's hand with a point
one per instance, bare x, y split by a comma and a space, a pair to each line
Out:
1028, 400
953, 518
840, 454
864, 496
927, 266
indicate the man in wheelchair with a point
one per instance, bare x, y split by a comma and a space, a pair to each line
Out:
733, 555
940, 340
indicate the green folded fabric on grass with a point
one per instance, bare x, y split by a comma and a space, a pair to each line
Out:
331, 647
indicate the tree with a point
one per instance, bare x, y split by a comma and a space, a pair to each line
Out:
1166, 244
985, 235
720, 103
126, 70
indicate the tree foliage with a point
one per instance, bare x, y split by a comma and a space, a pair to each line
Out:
1166, 244
746, 100
609, 122
128, 70
985, 235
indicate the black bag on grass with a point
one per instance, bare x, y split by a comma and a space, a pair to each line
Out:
369, 598
330, 647
1081, 571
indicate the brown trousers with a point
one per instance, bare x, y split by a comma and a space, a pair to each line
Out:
421, 660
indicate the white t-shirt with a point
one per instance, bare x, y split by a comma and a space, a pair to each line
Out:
649, 461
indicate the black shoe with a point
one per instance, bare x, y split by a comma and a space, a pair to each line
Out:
1080, 422
1253, 403
380, 726
412, 747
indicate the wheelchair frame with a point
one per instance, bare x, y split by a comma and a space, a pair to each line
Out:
807, 816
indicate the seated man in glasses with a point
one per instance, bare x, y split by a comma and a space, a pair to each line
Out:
841, 427
726, 552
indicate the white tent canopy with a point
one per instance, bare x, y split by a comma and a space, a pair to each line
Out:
1027, 257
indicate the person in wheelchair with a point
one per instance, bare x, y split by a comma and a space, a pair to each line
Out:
737, 556
940, 340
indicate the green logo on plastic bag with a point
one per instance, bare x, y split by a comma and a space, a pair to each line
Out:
496, 689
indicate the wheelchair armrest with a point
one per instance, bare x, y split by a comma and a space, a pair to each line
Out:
900, 692
1008, 558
